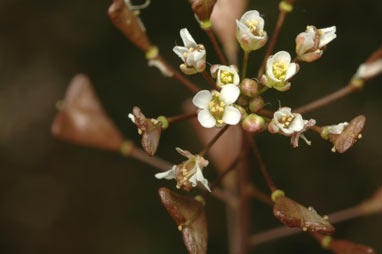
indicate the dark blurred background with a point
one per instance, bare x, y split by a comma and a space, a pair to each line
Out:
61, 198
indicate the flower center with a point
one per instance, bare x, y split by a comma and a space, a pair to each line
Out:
279, 70
286, 120
253, 27
216, 108
226, 77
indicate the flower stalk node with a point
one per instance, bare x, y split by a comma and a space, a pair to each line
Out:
206, 24
127, 148
285, 6
152, 53
163, 120
357, 84
276, 194
325, 242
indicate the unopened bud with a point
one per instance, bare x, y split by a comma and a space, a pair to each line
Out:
203, 10
242, 100
256, 104
249, 87
253, 123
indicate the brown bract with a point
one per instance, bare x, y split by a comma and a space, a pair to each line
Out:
150, 129
82, 120
347, 247
203, 8
294, 214
128, 23
342, 142
190, 217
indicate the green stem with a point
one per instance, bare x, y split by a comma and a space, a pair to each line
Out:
245, 64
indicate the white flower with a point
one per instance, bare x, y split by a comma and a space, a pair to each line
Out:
290, 124
188, 173
192, 54
279, 70
216, 108
249, 31
225, 75
310, 44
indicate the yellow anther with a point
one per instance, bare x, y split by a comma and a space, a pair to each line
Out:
222, 104
334, 149
279, 70
152, 53
213, 109
220, 121
359, 136
139, 131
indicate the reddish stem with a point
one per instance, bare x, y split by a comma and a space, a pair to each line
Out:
209, 79
261, 163
215, 44
174, 119
213, 140
187, 83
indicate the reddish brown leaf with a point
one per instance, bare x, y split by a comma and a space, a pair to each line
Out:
342, 142
124, 19
347, 247
190, 216
150, 129
294, 214
82, 120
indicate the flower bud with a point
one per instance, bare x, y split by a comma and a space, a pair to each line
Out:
203, 10
256, 104
249, 87
253, 123
243, 100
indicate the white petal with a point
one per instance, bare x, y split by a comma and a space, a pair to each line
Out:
337, 129
368, 70
241, 28
283, 111
307, 44
292, 70
297, 123
169, 174
180, 52
328, 35
206, 119
198, 176
229, 94
184, 153
188, 41
231, 115
202, 98
282, 56
249, 15
132, 117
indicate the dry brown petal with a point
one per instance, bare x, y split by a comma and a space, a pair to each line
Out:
294, 214
124, 19
342, 142
347, 247
203, 8
190, 217
223, 18
150, 129
82, 120
373, 204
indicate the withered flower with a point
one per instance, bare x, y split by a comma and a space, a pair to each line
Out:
343, 136
188, 173
150, 129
